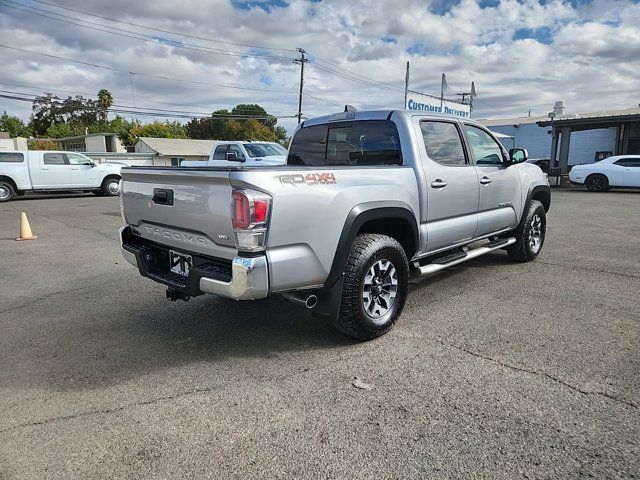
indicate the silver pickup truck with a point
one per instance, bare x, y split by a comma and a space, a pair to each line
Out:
366, 200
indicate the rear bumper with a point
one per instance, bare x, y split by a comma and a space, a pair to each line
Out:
245, 278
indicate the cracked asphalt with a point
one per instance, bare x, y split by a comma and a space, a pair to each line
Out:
495, 370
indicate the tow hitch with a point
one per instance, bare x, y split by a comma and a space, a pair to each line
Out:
174, 295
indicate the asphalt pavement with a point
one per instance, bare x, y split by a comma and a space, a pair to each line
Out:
495, 370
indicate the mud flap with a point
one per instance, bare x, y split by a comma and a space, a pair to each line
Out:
329, 299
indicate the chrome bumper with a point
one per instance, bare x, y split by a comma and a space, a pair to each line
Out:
249, 280
249, 276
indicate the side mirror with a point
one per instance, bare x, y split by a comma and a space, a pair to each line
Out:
234, 157
518, 155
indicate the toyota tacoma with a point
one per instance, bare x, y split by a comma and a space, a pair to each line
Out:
365, 201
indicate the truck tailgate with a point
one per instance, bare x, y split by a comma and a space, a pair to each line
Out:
187, 209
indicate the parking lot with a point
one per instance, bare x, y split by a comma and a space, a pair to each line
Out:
495, 370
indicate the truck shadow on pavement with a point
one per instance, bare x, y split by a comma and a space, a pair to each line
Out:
78, 344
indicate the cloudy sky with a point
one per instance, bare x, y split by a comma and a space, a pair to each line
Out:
201, 55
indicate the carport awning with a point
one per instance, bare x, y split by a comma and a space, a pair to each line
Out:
592, 122
501, 135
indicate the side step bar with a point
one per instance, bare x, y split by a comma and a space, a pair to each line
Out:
456, 258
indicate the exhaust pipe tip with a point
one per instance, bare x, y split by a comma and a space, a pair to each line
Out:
308, 301
311, 301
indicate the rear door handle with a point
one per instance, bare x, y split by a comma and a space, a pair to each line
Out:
437, 183
162, 196
485, 180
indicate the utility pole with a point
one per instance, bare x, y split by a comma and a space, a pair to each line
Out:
302, 60
472, 94
406, 86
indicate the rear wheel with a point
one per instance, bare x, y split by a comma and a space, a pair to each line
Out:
6, 191
530, 234
375, 287
597, 183
111, 186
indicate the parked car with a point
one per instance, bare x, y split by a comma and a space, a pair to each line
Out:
366, 200
611, 172
248, 154
543, 163
39, 171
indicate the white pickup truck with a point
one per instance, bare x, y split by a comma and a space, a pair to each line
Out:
30, 171
249, 154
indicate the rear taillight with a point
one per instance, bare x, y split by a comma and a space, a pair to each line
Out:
241, 210
251, 211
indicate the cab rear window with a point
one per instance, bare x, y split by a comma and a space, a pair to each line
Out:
11, 157
367, 142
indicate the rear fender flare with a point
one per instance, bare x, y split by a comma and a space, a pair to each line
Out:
329, 296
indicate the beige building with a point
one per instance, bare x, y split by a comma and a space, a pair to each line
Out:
95, 142
8, 143
172, 151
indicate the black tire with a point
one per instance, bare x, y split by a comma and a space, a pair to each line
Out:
108, 186
364, 319
597, 182
530, 234
6, 191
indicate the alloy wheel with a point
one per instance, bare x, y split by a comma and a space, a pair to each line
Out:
535, 234
380, 289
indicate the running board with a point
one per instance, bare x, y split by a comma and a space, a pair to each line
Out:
456, 258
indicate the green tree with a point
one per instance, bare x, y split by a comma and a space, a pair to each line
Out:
254, 130
60, 130
105, 100
158, 129
281, 133
44, 144
217, 127
211, 128
257, 111
49, 110
13, 125
122, 127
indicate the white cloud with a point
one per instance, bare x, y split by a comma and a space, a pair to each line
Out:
587, 55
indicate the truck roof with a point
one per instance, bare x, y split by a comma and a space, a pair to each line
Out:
376, 115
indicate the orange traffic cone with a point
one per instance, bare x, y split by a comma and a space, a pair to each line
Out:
25, 229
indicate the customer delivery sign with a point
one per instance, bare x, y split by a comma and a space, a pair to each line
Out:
428, 103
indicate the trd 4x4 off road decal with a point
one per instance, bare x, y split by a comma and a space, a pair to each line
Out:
309, 178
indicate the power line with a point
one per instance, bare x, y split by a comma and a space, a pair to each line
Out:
138, 99
207, 39
323, 100
151, 112
354, 79
137, 36
327, 65
162, 77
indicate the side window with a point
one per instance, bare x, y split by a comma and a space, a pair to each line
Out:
235, 148
308, 146
443, 143
13, 157
54, 159
220, 152
486, 150
75, 159
628, 162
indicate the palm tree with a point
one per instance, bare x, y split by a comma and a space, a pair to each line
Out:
105, 100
